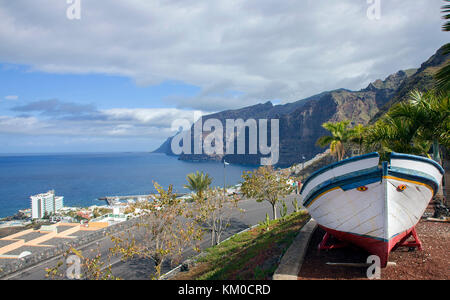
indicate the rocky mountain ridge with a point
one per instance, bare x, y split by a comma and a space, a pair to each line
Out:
300, 122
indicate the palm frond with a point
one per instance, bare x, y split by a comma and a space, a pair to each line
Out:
324, 141
442, 78
446, 10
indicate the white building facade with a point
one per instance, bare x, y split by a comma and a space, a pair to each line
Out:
45, 204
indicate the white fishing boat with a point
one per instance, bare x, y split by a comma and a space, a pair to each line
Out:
373, 206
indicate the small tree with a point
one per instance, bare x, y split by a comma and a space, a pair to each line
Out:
266, 223
295, 205
167, 226
94, 268
265, 184
214, 212
283, 210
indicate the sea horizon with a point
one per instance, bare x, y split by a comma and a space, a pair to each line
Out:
83, 177
71, 153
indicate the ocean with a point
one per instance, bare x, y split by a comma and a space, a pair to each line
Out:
83, 178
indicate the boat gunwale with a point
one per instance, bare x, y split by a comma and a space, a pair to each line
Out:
346, 179
339, 181
338, 164
423, 179
395, 155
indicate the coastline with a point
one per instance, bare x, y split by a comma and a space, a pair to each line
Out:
82, 179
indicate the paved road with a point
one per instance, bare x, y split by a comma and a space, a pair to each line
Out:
141, 269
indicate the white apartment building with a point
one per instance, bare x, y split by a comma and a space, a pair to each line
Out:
45, 203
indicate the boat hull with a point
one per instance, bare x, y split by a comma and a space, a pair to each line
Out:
370, 206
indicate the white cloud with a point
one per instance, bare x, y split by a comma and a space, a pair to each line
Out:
14, 125
154, 124
162, 117
263, 49
12, 97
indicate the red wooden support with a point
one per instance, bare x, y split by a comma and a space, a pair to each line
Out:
323, 244
403, 242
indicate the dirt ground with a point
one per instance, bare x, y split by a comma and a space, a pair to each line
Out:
433, 262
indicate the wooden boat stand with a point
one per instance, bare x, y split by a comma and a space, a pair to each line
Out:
411, 244
402, 243
323, 244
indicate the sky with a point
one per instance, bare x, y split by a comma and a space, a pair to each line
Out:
111, 76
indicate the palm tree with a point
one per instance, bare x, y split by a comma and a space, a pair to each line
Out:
446, 11
443, 84
395, 135
443, 75
414, 127
198, 183
340, 135
357, 136
430, 115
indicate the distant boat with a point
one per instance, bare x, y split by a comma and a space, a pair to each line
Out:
371, 206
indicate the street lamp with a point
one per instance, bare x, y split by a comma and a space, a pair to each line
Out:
303, 166
224, 176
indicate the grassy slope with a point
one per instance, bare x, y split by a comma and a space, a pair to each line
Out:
254, 254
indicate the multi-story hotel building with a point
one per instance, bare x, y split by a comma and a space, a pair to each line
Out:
43, 204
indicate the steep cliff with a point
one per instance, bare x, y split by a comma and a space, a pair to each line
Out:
421, 80
300, 123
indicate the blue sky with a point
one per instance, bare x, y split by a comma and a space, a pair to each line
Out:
23, 88
106, 91
115, 79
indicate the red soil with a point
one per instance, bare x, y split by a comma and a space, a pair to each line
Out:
433, 262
